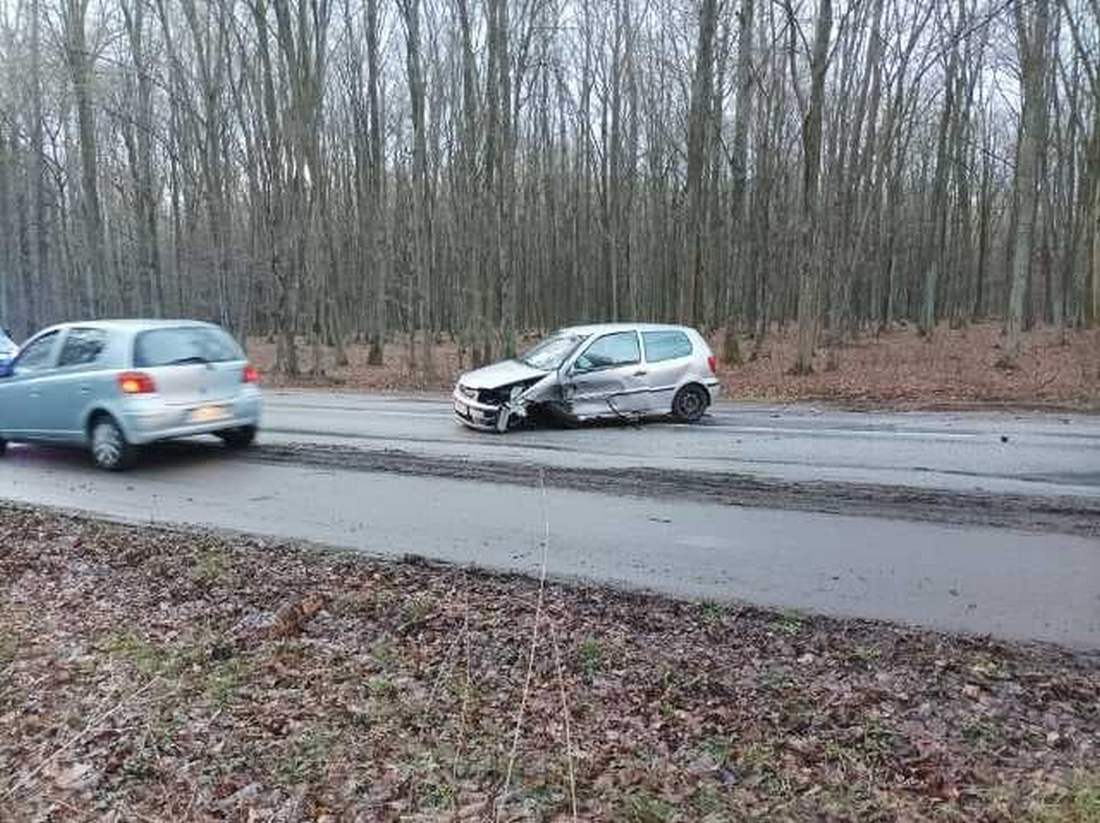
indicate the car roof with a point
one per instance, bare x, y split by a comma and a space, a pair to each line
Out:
131, 326
604, 328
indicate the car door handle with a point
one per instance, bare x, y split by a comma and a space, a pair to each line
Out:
85, 389
641, 373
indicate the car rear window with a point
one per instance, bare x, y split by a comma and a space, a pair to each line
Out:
184, 344
665, 345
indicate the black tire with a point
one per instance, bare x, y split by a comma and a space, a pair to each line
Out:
3, 446
239, 438
110, 450
690, 403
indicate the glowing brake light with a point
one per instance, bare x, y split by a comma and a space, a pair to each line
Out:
710, 362
250, 375
135, 382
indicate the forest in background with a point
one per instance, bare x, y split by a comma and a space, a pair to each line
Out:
372, 170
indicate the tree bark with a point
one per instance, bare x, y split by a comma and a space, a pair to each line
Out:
79, 63
808, 286
1032, 33
698, 124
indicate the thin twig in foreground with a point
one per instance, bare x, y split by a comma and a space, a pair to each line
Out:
565, 720
533, 646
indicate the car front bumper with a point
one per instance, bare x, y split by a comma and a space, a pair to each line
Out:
473, 413
148, 423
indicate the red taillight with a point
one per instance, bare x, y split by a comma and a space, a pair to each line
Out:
135, 382
710, 362
250, 375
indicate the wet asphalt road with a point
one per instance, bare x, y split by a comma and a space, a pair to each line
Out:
1001, 581
1026, 453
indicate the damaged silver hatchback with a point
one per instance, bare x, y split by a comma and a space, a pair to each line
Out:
613, 370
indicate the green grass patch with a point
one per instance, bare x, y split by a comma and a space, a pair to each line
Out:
590, 656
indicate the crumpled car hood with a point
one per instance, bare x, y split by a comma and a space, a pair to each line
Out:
500, 374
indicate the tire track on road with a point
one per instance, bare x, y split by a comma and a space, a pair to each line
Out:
1062, 514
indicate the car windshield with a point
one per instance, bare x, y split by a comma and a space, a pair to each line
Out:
552, 352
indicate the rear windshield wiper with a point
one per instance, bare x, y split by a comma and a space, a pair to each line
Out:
194, 358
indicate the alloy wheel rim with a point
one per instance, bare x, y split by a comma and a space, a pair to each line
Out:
689, 403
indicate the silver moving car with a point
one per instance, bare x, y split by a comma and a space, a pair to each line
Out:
115, 385
612, 370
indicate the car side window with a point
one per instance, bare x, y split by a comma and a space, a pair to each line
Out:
37, 356
665, 345
617, 349
82, 347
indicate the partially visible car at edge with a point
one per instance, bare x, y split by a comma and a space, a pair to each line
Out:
582, 373
115, 385
8, 347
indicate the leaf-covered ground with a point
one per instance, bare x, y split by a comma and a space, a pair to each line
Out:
149, 674
897, 369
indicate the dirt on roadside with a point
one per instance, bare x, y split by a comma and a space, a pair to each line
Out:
159, 674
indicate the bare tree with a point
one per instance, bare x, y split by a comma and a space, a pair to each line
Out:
1033, 43
79, 61
323, 170
809, 285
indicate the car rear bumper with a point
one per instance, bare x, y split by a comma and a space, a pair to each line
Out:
162, 422
714, 387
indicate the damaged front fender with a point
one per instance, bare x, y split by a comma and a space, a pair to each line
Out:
521, 399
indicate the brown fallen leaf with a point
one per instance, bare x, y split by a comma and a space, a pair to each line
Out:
291, 618
76, 777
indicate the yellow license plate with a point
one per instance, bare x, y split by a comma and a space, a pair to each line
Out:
208, 414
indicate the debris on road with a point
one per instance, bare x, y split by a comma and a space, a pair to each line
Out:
395, 690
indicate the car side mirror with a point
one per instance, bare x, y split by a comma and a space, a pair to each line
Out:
7, 368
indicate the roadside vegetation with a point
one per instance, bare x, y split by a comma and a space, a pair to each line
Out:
156, 674
898, 368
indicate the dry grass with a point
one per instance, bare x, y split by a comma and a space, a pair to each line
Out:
897, 369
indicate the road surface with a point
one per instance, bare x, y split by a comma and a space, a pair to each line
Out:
985, 523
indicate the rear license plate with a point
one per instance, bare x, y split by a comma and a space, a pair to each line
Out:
209, 414
462, 408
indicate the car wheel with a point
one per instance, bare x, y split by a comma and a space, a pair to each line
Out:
239, 438
109, 447
3, 446
690, 404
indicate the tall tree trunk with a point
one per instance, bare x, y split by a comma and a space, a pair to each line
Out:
739, 167
808, 286
421, 251
379, 259
79, 63
145, 184
1032, 33
699, 115
38, 164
